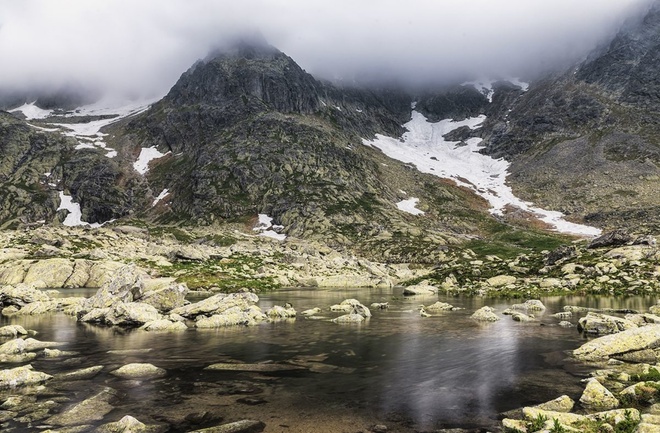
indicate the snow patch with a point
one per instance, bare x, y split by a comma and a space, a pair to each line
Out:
410, 206
484, 87
147, 154
164, 193
517, 82
266, 228
74, 218
31, 111
425, 147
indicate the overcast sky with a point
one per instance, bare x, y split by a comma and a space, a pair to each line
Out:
146, 44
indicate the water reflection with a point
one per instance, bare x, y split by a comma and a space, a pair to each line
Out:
441, 371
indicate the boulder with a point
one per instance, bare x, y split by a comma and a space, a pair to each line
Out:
501, 280
164, 325
21, 295
596, 396
80, 274
127, 424
82, 374
439, 306
349, 318
103, 272
278, 312
232, 317
485, 314
380, 305
611, 239
50, 273
560, 404
139, 371
602, 324
217, 304
166, 298
520, 317
126, 286
352, 306
39, 307
12, 331
22, 376
311, 311
420, 289
631, 340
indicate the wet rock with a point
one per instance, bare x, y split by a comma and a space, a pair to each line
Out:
278, 312
217, 304
601, 324
561, 404
520, 317
243, 426
232, 317
596, 396
139, 371
631, 340
349, 318
12, 331
128, 424
485, 314
21, 295
92, 409
22, 376
164, 325
380, 305
420, 289
439, 306
82, 374
311, 311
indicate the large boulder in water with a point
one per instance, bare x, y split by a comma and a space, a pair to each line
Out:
166, 298
602, 324
21, 376
123, 314
217, 304
632, 340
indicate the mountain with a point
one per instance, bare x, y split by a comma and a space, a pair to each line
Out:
587, 142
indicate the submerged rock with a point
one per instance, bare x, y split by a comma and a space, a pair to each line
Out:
439, 306
243, 426
349, 318
92, 409
82, 374
128, 424
139, 371
311, 312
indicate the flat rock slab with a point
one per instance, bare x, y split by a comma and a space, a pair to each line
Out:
243, 426
631, 340
254, 367
87, 411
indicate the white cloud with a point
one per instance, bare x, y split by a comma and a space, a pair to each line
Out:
144, 45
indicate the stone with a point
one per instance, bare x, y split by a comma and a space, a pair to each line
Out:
21, 295
422, 288
127, 424
232, 317
311, 312
80, 274
380, 305
20, 345
278, 312
616, 415
611, 239
520, 317
123, 314
596, 396
166, 298
243, 426
139, 371
602, 324
217, 304
164, 325
38, 307
22, 376
103, 272
82, 374
92, 409
561, 404
566, 324
631, 340
439, 306
12, 331
50, 273
349, 318
501, 280
485, 314
565, 418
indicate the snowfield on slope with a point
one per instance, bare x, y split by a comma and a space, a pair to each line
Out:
424, 146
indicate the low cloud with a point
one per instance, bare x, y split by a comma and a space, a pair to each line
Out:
143, 46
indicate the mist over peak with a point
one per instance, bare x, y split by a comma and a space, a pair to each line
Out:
141, 48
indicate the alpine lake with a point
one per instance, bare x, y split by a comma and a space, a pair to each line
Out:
397, 369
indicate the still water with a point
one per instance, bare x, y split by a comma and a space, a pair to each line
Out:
398, 369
